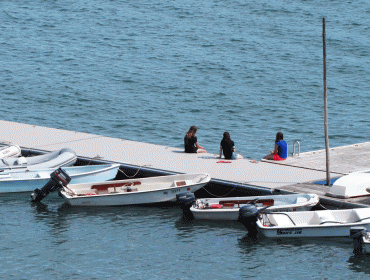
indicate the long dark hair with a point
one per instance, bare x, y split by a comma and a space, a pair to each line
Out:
191, 132
279, 136
226, 136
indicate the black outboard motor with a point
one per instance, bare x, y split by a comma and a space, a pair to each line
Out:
58, 179
356, 233
248, 217
186, 200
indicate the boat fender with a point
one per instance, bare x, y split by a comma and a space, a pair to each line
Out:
185, 200
248, 217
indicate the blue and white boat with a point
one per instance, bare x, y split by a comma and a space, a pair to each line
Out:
29, 180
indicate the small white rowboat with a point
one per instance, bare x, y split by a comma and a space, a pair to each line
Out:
351, 185
227, 208
133, 191
56, 159
323, 223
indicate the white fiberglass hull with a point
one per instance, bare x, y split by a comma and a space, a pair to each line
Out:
231, 205
28, 181
325, 223
143, 190
61, 158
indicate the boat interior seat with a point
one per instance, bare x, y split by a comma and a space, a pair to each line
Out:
345, 216
105, 187
129, 189
323, 217
361, 214
241, 202
300, 199
280, 220
300, 219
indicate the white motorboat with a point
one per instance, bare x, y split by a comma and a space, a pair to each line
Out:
10, 151
27, 181
227, 208
322, 223
351, 185
133, 191
56, 159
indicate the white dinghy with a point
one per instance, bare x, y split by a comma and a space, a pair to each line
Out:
227, 208
56, 159
133, 191
351, 185
10, 151
322, 223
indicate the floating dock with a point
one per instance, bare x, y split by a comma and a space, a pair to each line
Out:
299, 173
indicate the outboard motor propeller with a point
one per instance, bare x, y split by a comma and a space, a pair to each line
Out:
58, 179
248, 217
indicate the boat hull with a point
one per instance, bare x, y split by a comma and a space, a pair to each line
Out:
23, 181
135, 197
61, 158
232, 213
324, 223
352, 185
320, 231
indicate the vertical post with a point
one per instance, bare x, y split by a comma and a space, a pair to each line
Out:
326, 108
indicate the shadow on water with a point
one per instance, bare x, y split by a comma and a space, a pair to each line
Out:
359, 262
54, 208
65, 221
187, 227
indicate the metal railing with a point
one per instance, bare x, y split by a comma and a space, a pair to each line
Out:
299, 148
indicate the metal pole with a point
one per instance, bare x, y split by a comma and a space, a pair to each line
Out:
326, 109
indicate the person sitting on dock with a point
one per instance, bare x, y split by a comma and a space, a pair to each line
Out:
191, 141
281, 149
227, 146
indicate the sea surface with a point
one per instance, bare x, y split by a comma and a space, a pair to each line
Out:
148, 70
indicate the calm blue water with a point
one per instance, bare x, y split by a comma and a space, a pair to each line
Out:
147, 71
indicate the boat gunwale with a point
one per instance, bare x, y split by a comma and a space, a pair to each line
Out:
112, 166
86, 196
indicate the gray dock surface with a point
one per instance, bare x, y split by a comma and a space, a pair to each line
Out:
296, 174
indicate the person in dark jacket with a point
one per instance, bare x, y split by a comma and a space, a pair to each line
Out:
227, 146
191, 142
